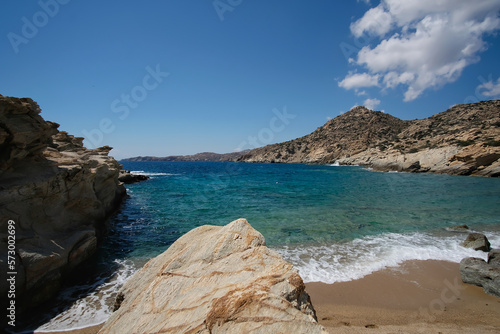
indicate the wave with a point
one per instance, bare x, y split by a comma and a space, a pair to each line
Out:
141, 172
336, 262
355, 259
91, 309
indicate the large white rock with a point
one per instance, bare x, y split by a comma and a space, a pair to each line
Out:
215, 280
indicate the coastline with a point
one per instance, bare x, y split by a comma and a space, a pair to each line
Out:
416, 297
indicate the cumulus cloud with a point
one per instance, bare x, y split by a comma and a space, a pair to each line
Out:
376, 21
490, 89
358, 80
371, 103
422, 43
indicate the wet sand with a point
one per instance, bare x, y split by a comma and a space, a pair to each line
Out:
417, 297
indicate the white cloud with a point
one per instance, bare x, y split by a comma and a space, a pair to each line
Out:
358, 80
490, 89
376, 21
371, 103
423, 43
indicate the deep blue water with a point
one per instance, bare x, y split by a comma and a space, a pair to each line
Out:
296, 204
333, 223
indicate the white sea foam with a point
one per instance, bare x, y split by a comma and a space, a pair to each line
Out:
337, 262
358, 258
94, 308
141, 172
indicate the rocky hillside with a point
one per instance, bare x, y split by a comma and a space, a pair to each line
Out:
463, 140
204, 156
56, 193
215, 280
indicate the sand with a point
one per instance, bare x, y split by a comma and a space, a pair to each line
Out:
417, 297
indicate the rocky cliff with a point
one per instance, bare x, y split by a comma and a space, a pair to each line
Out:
463, 140
215, 280
55, 193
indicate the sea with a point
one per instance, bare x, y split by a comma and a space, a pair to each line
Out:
333, 223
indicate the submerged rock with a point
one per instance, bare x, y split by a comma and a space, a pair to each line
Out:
459, 228
477, 241
215, 280
58, 195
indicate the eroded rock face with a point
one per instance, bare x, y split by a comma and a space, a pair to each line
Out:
215, 280
57, 192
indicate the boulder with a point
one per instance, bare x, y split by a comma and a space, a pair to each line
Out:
478, 272
57, 192
477, 241
215, 280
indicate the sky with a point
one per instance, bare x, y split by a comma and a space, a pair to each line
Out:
175, 77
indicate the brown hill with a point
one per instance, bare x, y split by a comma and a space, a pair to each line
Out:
204, 156
462, 140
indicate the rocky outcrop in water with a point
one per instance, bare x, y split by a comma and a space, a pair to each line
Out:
464, 140
215, 280
477, 241
57, 193
128, 177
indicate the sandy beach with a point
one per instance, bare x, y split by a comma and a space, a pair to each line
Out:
417, 297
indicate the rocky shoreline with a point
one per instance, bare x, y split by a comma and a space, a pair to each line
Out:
56, 193
464, 140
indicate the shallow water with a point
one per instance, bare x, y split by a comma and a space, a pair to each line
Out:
333, 223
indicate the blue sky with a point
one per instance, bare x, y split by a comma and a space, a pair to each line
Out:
181, 77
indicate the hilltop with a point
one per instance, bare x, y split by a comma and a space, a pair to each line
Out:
204, 156
464, 140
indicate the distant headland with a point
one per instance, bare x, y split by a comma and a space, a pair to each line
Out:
463, 140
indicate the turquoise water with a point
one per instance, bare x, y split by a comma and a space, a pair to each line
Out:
333, 223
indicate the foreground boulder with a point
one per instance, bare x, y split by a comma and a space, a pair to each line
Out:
55, 193
481, 273
215, 280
